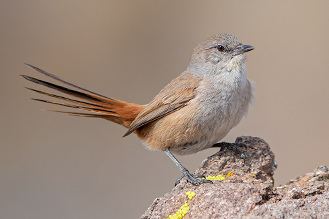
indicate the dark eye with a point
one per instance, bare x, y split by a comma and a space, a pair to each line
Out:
220, 48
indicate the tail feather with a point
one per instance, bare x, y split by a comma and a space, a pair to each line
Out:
112, 118
76, 107
71, 92
117, 111
69, 100
63, 81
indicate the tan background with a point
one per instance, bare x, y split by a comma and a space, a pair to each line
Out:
56, 166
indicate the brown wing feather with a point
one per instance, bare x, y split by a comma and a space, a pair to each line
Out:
171, 98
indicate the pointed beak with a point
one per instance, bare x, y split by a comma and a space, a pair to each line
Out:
242, 49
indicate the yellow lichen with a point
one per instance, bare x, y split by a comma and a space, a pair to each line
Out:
181, 212
190, 194
218, 177
184, 209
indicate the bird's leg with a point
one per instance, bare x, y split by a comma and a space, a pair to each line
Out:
189, 177
231, 146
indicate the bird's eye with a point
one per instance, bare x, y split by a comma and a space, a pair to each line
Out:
220, 48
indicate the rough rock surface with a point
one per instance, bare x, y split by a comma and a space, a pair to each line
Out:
247, 191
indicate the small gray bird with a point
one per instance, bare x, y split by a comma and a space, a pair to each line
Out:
192, 113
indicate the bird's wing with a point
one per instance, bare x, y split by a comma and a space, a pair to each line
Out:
172, 97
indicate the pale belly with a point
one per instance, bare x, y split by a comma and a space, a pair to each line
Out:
188, 131
203, 122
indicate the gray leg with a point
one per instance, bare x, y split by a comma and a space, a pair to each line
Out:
189, 177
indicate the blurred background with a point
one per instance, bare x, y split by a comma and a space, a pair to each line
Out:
56, 166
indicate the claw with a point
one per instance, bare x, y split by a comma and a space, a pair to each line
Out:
189, 177
178, 180
192, 178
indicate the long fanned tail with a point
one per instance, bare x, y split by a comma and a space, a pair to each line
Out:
117, 111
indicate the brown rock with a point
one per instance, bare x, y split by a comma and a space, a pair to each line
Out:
247, 191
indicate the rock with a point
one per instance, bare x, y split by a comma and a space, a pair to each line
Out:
244, 189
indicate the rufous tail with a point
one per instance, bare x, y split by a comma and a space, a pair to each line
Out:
117, 111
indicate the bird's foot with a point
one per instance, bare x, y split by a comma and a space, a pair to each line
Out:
231, 146
193, 178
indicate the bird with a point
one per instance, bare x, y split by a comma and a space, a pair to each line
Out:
192, 113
